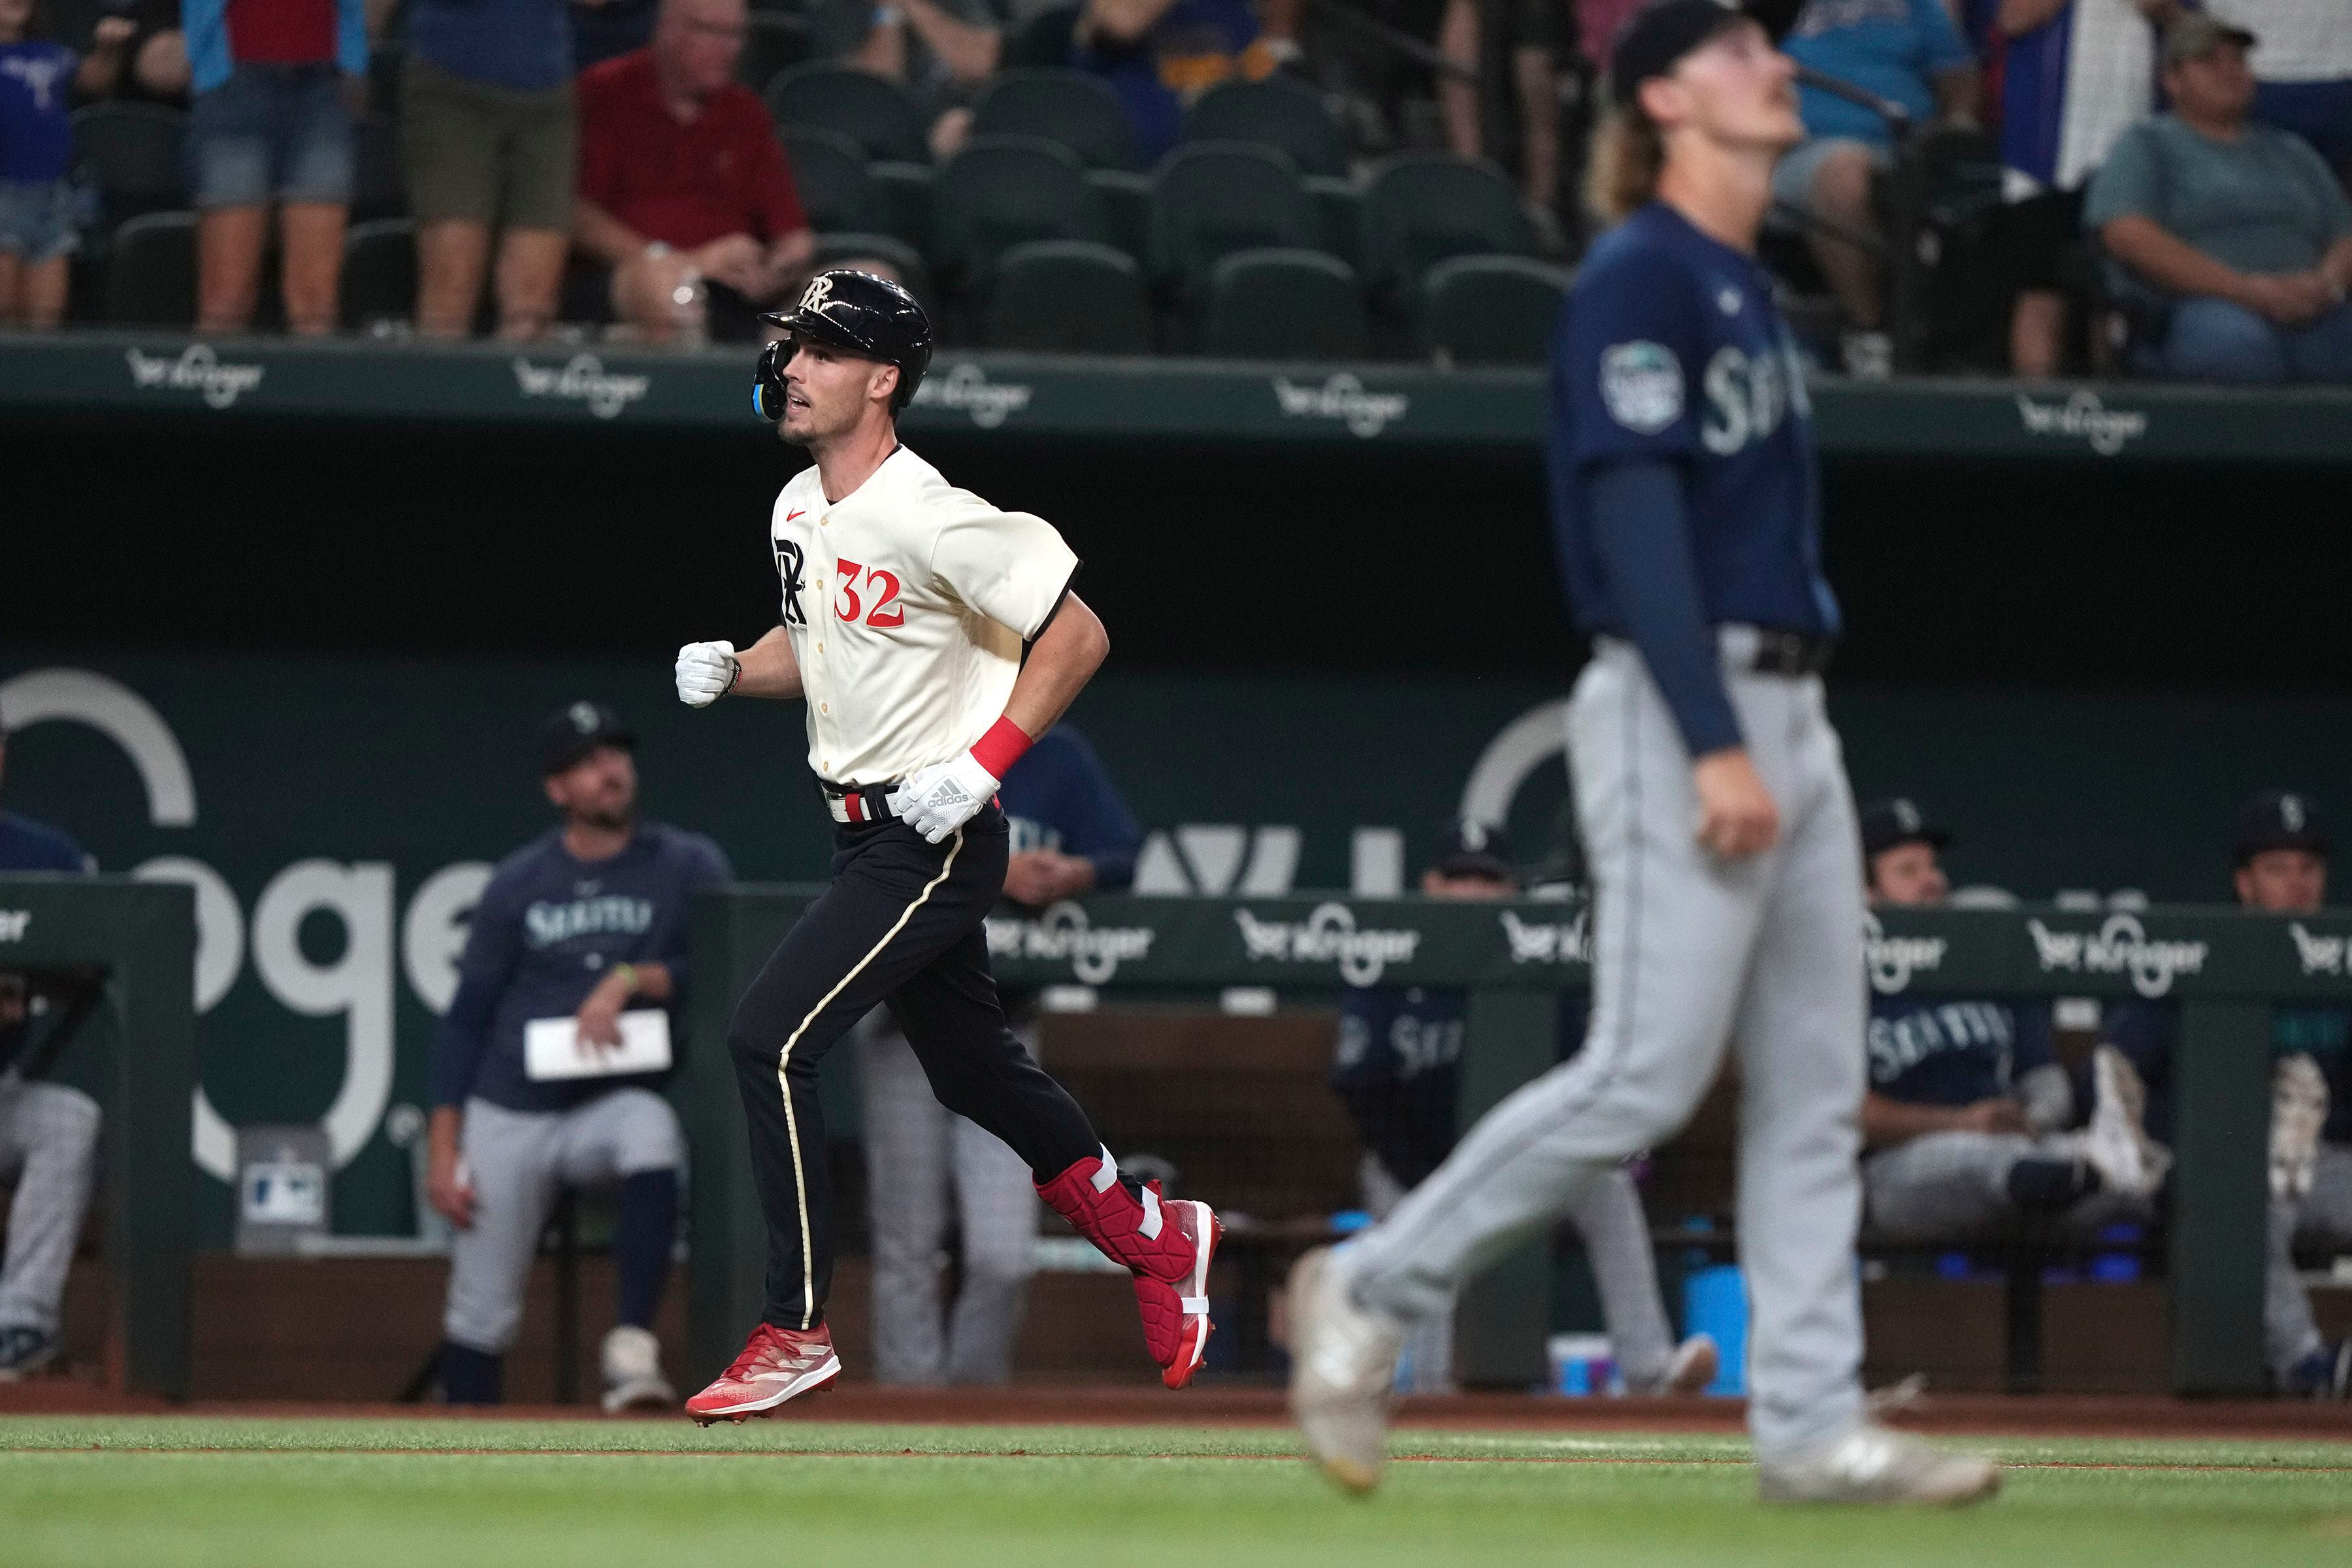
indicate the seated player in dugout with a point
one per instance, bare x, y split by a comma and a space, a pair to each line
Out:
1398, 1071
1964, 1121
584, 927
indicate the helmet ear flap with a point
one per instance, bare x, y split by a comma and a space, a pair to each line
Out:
768, 380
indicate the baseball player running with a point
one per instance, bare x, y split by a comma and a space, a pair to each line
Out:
907, 607
1711, 791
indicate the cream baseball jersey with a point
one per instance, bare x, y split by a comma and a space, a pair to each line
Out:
907, 602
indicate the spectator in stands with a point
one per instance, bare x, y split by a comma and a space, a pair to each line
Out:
1072, 834
1161, 55
152, 66
276, 89
2235, 232
1961, 1118
683, 183
48, 1137
1534, 48
602, 29
1906, 51
941, 51
37, 218
2302, 68
490, 137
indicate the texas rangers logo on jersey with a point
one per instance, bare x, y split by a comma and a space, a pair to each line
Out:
1641, 385
817, 295
790, 565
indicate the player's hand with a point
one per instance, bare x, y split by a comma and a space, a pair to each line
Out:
446, 1187
706, 672
1999, 1115
1039, 877
599, 1018
1737, 818
943, 797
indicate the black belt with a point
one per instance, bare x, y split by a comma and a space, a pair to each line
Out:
854, 803
1790, 653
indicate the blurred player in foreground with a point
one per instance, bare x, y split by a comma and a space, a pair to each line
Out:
1726, 858
908, 609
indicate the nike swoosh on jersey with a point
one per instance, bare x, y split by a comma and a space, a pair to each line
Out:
790, 515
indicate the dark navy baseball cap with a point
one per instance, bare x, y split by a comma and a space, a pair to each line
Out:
1469, 848
1661, 34
1887, 824
2281, 819
571, 733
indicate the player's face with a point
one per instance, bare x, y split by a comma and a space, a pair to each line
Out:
1739, 89
827, 391
2283, 882
600, 789
1437, 884
1908, 874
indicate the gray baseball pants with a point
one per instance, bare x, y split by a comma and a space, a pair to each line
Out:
519, 1161
1954, 1186
49, 1142
917, 1150
1693, 955
2324, 1214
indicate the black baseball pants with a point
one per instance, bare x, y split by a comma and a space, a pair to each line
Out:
901, 924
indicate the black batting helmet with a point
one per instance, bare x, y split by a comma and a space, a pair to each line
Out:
855, 311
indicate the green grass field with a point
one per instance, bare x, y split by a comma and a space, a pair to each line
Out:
151, 1491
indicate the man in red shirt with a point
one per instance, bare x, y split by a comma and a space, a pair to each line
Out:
681, 176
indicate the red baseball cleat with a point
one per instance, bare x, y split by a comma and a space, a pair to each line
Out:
1165, 1243
776, 1364
1176, 1323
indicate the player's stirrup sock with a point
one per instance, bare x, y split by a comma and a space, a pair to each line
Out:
2045, 1186
471, 1376
644, 1230
1124, 1220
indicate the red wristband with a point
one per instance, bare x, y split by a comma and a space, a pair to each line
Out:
1000, 748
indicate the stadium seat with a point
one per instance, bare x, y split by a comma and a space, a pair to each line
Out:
829, 172
1124, 200
131, 153
152, 280
1422, 207
1000, 191
1211, 199
1284, 304
1069, 296
1283, 115
859, 249
877, 115
379, 274
905, 192
377, 189
1339, 208
1490, 309
1044, 40
1073, 107
775, 43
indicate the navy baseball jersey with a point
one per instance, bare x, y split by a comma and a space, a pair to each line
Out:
548, 928
1953, 1053
1059, 796
1396, 1070
30, 845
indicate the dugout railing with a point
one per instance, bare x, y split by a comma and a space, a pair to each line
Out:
2224, 971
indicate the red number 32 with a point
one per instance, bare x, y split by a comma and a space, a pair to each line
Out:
885, 588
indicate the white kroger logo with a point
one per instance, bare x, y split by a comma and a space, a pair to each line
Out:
2083, 417
1063, 936
582, 379
2120, 946
1343, 397
1532, 942
2320, 955
1894, 959
1329, 933
197, 369
13, 924
967, 389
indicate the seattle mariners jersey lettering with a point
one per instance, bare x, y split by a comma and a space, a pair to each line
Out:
545, 923
906, 603
1953, 1053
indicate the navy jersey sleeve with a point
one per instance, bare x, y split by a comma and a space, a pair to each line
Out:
1628, 347
491, 942
1100, 827
705, 863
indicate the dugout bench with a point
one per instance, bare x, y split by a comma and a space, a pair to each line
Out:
116, 958
2225, 970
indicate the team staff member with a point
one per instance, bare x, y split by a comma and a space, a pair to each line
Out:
1071, 834
907, 608
1725, 862
586, 922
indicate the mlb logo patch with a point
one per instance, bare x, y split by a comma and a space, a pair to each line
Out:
1642, 386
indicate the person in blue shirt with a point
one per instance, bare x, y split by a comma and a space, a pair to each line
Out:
1906, 50
585, 923
1964, 1116
39, 219
1161, 55
1072, 834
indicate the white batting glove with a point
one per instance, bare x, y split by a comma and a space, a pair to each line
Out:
706, 672
944, 797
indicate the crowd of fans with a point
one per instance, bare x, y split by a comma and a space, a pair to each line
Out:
2169, 198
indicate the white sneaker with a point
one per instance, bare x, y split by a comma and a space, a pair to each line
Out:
1342, 1373
633, 1374
2117, 1143
2298, 1111
1872, 1465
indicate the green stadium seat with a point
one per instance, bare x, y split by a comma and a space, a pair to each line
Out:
829, 172
1001, 191
1276, 113
1339, 208
1069, 296
905, 191
1124, 200
1422, 207
1076, 108
379, 286
879, 116
1286, 305
1043, 40
900, 258
1211, 199
1490, 309
133, 155
150, 278
774, 44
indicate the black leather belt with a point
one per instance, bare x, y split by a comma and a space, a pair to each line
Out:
1790, 653
854, 803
